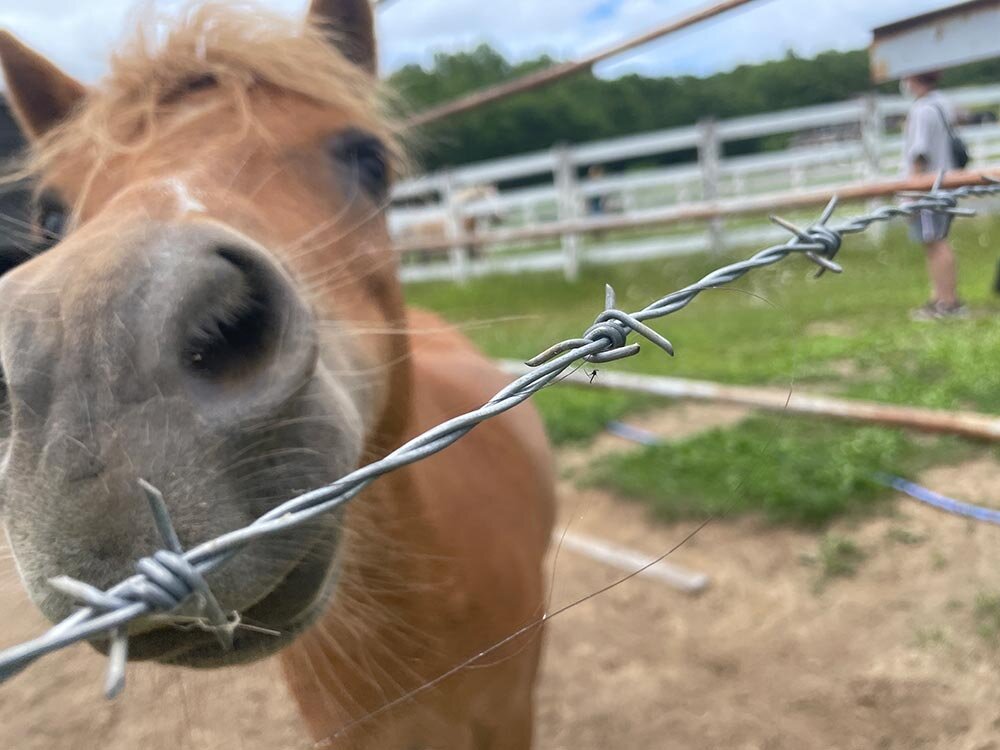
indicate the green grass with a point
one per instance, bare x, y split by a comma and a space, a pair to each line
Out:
785, 470
836, 557
986, 615
938, 560
839, 557
847, 334
575, 415
778, 326
899, 535
929, 636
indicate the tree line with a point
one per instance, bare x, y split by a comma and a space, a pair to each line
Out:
586, 108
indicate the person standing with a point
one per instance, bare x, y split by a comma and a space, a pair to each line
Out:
595, 203
927, 148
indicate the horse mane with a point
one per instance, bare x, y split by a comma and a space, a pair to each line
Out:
235, 47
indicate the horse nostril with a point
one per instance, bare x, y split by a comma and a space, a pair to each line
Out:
237, 330
247, 340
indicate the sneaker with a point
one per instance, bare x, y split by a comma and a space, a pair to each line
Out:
926, 312
936, 311
956, 311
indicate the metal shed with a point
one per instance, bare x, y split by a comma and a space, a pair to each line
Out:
959, 34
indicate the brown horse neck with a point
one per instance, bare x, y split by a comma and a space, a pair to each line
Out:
376, 640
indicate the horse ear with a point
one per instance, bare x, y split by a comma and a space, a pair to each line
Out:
351, 26
41, 95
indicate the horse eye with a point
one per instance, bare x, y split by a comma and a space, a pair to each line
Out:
363, 157
50, 222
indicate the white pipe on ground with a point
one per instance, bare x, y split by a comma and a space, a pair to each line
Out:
630, 561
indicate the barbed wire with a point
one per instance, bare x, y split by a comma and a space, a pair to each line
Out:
173, 577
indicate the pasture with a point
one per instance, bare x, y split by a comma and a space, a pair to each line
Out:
245, 456
839, 616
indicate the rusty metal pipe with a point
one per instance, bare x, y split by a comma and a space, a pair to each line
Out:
542, 78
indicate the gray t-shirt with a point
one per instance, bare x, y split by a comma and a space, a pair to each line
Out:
926, 134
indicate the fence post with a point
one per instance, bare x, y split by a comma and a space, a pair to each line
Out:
872, 135
872, 138
709, 156
458, 253
798, 177
569, 208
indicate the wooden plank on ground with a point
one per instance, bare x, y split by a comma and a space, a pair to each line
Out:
966, 424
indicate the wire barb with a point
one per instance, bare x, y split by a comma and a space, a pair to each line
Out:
172, 577
611, 328
165, 582
161, 516
828, 241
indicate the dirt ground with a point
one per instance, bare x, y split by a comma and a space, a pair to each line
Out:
892, 658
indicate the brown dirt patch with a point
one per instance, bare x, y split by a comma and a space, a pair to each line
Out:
58, 703
888, 659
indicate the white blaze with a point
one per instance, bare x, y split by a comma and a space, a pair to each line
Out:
186, 201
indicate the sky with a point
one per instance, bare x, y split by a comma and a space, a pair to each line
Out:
78, 34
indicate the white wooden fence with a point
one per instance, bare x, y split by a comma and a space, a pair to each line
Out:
831, 144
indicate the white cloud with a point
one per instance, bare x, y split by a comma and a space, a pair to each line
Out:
412, 30
73, 38
78, 34
762, 31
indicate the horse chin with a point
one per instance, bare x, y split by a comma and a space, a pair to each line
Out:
265, 628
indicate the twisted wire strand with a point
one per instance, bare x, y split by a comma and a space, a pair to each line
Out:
173, 577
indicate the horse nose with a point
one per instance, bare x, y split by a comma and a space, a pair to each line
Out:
243, 339
191, 314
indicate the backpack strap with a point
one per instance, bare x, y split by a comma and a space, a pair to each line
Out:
945, 120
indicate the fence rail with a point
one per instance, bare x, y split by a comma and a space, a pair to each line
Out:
540, 227
653, 247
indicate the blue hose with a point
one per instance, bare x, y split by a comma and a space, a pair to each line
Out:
633, 433
924, 495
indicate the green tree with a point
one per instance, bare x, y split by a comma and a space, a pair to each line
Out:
586, 107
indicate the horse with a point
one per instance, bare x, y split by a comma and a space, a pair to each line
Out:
212, 306
438, 227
